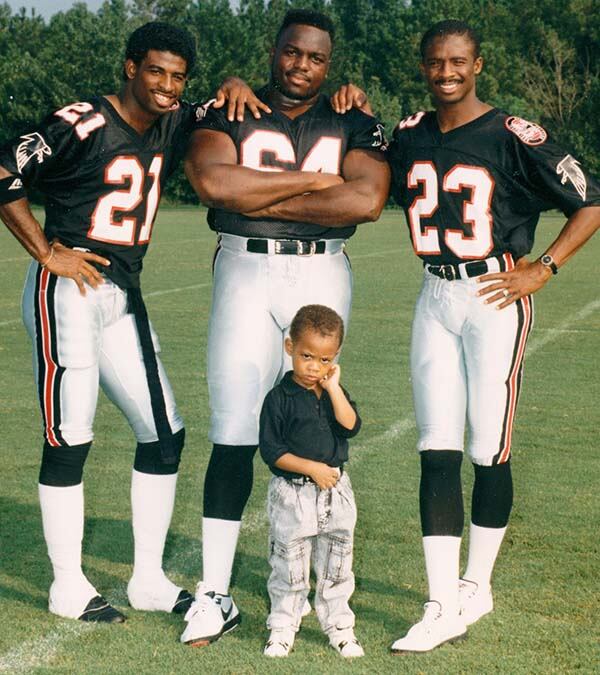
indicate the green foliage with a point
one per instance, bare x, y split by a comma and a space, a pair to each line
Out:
542, 59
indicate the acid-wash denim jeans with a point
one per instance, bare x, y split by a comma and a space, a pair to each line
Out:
307, 525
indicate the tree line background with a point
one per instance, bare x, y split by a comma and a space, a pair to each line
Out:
542, 57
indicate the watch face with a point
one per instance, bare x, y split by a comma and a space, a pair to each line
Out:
548, 261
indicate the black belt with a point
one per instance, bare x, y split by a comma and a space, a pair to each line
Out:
286, 246
466, 270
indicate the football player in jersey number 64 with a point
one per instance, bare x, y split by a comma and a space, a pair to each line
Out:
101, 165
473, 181
286, 191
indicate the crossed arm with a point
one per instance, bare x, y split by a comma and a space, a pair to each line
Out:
212, 168
359, 199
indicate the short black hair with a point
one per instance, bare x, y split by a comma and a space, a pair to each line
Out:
319, 319
448, 27
307, 17
163, 37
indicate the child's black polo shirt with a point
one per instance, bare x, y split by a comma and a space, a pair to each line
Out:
293, 419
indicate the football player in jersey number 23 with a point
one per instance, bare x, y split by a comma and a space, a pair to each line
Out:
473, 181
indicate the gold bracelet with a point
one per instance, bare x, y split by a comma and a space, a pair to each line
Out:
48, 259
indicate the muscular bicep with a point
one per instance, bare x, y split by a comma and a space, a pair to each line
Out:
367, 175
210, 157
368, 166
207, 148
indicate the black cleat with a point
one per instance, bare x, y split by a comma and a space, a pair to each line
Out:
99, 610
183, 602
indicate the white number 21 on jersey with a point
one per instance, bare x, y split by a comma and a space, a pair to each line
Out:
122, 170
476, 210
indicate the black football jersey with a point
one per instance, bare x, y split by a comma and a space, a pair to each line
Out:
101, 179
478, 190
317, 140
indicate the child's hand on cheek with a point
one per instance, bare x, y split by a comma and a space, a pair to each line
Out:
332, 379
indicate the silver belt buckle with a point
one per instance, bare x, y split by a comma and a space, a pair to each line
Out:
311, 250
448, 273
277, 246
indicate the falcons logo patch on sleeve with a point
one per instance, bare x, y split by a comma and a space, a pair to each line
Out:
379, 141
569, 170
201, 110
529, 132
33, 145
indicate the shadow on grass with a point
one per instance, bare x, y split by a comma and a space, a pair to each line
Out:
27, 572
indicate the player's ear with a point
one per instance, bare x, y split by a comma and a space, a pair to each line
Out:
478, 67
289, 346
130, 69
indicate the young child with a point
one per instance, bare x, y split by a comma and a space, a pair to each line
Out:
304, 426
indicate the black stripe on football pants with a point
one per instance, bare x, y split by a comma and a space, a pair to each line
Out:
157, 400
525, 323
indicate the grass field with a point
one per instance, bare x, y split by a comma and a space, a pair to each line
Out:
546, 583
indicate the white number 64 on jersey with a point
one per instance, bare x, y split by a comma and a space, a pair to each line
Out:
324, 156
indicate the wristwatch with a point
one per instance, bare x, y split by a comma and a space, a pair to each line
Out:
548, 261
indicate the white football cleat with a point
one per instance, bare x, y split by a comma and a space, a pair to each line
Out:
475, 600
345, 643
433, 630
210, 616
280, 643
158, 595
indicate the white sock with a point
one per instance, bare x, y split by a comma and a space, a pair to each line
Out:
219, 541
442, 555
484, 545
152, 501
62, 520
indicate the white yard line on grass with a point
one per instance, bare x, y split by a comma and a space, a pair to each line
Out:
20, 258
10, 322
152, 294
166, 291
374, 254
257, 520
155, 244
40, 652
552, 334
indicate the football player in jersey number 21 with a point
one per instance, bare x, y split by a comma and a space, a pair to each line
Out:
473, 181
101, 165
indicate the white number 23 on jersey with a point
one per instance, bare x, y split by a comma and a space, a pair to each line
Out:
476, 210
